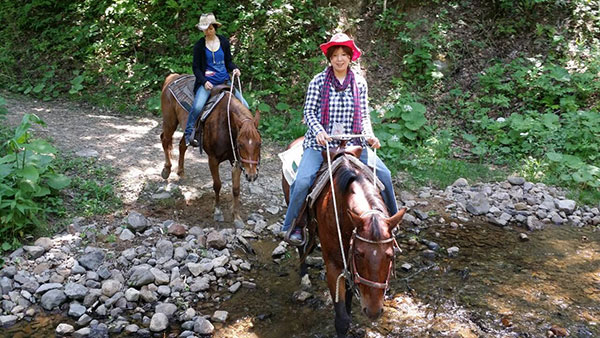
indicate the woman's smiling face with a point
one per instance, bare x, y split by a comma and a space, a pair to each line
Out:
339, 59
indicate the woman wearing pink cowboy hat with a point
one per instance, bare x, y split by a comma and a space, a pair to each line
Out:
212, 64
336, 103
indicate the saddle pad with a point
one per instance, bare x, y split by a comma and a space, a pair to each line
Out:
323, 177
183, 91
208, 107
290, 160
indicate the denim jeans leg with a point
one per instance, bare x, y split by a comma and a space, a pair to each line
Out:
239, 96
199, 100
385, 176
307, 172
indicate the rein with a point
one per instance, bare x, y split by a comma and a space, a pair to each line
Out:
349, 273
233, 148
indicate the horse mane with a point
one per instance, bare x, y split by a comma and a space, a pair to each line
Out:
349, 173
242, 113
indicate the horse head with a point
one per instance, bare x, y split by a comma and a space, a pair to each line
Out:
248, 145
372, 249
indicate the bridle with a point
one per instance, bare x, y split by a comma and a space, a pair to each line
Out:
235, 150
356, 278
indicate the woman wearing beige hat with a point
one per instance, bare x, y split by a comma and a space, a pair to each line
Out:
212, 64
336, 103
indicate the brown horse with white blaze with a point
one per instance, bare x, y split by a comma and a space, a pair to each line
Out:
367, 240
230, 133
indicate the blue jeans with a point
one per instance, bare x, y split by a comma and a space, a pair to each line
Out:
200, 99
306, 175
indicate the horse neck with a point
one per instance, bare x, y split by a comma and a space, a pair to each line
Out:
238, 114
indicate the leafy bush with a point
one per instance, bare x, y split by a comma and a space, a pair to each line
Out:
29, 183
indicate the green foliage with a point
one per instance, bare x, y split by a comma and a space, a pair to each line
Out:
29, 183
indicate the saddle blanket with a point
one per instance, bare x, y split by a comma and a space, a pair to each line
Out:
183, 91
290, 160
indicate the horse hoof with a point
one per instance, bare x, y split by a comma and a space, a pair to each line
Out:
219, 215
165, 173
180, 173
239, 224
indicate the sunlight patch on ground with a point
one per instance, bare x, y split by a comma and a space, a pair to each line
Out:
239, 329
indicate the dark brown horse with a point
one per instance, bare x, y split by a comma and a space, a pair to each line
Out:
367, 237
216, 142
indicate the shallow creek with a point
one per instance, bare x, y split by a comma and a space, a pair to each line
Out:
497, 286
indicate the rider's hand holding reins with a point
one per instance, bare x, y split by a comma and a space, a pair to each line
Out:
322, 138
236, 72
374, 142
208, 85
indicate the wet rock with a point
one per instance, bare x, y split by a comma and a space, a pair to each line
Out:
216, 240
137, 222
64, 329
220, 316
452, 251
203, 326
9, 320
430, 244
92, 260
421, 214
52, 299
126, 235
429, 254
159, 322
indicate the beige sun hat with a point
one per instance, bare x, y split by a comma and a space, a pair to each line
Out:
206, 20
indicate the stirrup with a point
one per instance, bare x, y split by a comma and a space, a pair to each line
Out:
288, 233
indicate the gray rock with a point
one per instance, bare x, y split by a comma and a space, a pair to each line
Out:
92, 260
515, 180
76, 310
461, 182
406, 266
64, 329
279, 251
9, 320
523, 237
75, 291
126, 235
164, 290
141, 276
167, 308
132, 295
180, 253
159, 322
147, 295
83, 333
101, 310
216, 240
502, 220
236, 286
452, 251
44, 242
202, 284
478, 205
568, 206
160, 277
420, 214
34, 251
48, 286
52, 299
220, 261
299, 296
203, 326
220, 272
110, 287
164, 251
84, 320
131, 328
220, 316
137, 222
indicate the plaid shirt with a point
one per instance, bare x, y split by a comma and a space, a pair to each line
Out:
341, 110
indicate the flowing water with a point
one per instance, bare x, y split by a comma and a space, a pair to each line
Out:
497, 286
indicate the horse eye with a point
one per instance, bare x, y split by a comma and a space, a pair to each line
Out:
360, 253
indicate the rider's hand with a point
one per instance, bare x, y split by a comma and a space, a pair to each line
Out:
236, 72
322, 138
208, 85
374, 142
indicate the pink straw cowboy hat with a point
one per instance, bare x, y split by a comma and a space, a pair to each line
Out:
207, 20
341, 39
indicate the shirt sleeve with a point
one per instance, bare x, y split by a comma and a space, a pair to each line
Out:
197, 66
312, 106
363, 93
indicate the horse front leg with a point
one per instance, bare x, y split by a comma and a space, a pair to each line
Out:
236, 173
342, 317
213, 164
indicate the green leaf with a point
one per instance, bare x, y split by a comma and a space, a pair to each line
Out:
6, 246
30, 174
41, 147
410, 135
59, 181
550, 121
37, 89
282, 106
263, 107
554, 157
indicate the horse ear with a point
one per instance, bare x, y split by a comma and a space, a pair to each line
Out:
396, 219
256, 118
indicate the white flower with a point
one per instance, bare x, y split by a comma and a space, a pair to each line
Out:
524, 134
394, 138
500, 119
407, 107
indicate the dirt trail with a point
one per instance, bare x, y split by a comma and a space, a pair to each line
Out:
132, 146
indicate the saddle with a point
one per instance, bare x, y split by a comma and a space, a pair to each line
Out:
306, 218
216, 94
